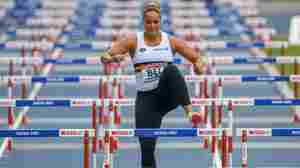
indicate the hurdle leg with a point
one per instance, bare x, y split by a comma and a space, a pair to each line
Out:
86, 150
10, 110
230, 134
94, 140
244, 151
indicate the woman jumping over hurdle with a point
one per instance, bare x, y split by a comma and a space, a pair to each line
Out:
160, 85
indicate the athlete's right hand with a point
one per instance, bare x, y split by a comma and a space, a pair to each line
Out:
195, 118
106, 58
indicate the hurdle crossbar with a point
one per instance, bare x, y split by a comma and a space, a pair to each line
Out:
97, 45
77, 102
270, 132
94, 79
219, 60
159, 132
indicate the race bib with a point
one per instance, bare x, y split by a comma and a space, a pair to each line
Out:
148, 78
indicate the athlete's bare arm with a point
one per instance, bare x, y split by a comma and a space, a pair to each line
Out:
124, 45
119, 48
188, 53
182, 48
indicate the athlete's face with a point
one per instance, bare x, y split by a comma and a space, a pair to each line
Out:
152, 23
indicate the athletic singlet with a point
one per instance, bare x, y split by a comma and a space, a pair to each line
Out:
150, 61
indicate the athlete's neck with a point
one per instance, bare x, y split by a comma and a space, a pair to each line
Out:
152, 38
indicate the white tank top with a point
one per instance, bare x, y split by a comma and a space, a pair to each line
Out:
147, 54
154, 59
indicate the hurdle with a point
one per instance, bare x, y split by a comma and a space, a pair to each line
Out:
94, 79
162, 132
218, 60
244, 133
143, 132
194, 79
109, 133
22, 115
126, 102
97, 45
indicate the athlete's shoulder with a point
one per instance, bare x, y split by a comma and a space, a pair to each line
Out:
176, 42
131, 39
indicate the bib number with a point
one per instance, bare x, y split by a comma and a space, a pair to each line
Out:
149, 77
152, 74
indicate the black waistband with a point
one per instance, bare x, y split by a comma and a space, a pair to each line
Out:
151, 63
139, 67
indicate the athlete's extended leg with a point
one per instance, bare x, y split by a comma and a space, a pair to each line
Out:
147, 116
